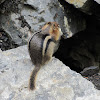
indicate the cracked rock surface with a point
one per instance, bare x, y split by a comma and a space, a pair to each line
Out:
20, 19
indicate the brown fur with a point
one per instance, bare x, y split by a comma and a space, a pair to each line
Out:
41, 52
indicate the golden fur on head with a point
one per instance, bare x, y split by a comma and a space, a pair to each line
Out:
53, 29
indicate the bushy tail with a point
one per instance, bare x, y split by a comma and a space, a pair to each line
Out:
33, 78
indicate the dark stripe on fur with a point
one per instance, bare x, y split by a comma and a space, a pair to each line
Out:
50, 40
32, 38
47, 45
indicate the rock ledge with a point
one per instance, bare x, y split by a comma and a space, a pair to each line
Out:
55, 81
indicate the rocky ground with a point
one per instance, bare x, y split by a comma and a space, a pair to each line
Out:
95, 79
55, 81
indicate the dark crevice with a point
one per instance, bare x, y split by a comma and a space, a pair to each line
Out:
24, 22
31, 7
81, 50
9, 6
5, 41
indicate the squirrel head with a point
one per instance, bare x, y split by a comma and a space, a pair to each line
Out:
53, 29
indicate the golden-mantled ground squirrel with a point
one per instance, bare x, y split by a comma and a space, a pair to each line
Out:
42, 46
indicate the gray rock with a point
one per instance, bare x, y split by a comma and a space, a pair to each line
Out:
89, 7
55, 81
98, 1
8, 26
20, 19
77, 3
37, 13
90, 71
1, 1
95, 79
74, 20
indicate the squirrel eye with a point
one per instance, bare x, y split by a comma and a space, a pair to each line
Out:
58, 25
49, 23
54, 25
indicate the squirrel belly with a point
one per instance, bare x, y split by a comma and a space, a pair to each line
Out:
42, 46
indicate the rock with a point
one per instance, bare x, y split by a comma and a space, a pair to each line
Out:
20, 19
55, 81
5, 41
74, 20
98, 1
37, 13
90, 71
9, 6
1, 1
89, 7
7, 24
95, 79
77, 3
